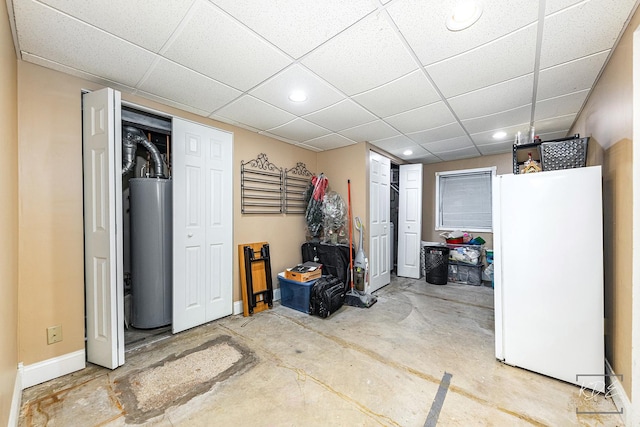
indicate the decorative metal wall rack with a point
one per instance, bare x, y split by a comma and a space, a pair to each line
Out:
268, 189
296, 181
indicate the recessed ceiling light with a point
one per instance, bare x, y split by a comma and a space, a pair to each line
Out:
407, 152
499, 135
298, 96
464, 14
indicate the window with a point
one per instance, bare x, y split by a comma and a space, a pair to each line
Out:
463, 199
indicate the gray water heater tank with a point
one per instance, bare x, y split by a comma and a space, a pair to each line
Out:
151, 252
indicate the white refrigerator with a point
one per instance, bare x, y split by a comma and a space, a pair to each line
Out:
548, 255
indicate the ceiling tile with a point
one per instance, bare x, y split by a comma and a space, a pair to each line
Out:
555, 124
255, 113
233, 122
571, 76
276, 91
277, 22
486, 137
573, 33
463, 153
172, 81
364, 56
451, 130
242, 61
429, 158
370, 131
503, 59
171, 103
494, 99
135, 21
549, 136
553, 6
399, 142
417, 153
343, 115
403, 94
423, 118
561, 105
500, 120
496, 148
422, 23
329, 142
449, 145
102, 56
299, 130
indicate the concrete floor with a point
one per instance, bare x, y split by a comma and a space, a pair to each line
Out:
378, 366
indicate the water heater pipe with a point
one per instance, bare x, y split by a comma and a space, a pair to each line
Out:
131, 137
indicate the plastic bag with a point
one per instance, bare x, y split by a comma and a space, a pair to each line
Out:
334, 212
487, 274
314, 216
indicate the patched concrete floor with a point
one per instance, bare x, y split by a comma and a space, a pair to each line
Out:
359, 367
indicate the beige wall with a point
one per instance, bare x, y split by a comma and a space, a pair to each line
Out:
284, 233
8, 218
51, 244
503, 164
349, 163
608, 119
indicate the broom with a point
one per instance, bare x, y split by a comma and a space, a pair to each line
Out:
353, 297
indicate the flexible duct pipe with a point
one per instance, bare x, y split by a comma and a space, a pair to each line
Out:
134, 136
128, 153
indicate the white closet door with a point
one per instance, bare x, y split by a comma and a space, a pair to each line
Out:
203, 224
410, 220
379, 212
103, 228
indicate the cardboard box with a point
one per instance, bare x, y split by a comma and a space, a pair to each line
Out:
304, 272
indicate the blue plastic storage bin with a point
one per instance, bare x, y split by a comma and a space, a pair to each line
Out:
296, 295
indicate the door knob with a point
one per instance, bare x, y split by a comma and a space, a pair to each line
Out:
190, 235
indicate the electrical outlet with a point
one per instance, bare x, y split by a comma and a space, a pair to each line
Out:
54, 334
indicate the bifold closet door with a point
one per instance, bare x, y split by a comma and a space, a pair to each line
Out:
203, 224
104, 287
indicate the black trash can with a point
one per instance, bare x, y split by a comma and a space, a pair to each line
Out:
436, 264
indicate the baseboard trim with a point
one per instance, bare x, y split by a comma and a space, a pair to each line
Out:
620, 398
16, 400
239, 309
53, 368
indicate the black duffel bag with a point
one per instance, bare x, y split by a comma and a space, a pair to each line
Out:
327, 296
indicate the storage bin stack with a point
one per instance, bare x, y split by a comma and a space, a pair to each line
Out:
465, 264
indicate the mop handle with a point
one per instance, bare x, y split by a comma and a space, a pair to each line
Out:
350, 238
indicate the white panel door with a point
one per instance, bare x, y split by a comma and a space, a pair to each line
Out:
104, 286
203, 224
410, 220
379, 212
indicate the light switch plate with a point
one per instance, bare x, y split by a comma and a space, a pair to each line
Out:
54, 334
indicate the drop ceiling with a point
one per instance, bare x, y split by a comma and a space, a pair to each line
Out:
387, 72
